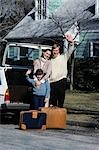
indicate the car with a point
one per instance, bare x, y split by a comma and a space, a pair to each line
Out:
15, 91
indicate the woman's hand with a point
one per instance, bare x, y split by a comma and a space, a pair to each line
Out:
37, 83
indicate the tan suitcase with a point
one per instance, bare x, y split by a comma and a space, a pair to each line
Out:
56, 117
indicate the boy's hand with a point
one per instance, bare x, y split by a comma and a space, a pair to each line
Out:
28, 72
46, 100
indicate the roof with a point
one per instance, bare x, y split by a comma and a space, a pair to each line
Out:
92, 24
59, 22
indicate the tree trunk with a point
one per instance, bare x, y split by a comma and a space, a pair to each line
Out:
72, 72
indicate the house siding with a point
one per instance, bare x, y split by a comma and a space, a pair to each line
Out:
82, 50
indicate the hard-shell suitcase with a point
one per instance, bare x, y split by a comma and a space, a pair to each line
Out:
32, 119
56, 117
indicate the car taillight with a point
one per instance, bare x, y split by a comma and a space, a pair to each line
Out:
7, 96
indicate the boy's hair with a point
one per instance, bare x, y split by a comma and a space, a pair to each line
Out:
39, 72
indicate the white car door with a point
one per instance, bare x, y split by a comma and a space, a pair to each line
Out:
3, 85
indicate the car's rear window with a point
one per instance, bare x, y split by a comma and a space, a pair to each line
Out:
21, 56
0, 80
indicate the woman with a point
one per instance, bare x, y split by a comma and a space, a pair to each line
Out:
43, 63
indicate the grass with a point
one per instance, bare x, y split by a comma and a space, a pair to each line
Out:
82, 100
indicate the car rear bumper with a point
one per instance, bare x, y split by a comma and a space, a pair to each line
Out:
15, 106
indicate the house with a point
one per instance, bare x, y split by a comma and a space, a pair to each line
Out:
89, 36
89, 39
44, 7
52, 28
66, 17
86, 74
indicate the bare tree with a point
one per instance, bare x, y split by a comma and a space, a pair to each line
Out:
12, 12
75, 12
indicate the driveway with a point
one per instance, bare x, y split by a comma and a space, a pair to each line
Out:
11, 138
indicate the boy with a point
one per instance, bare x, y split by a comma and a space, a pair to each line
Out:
41, 93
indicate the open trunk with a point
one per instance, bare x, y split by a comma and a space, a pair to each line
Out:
19, 89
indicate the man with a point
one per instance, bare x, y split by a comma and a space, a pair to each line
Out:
59, 72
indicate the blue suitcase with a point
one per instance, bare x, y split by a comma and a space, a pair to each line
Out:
32, 119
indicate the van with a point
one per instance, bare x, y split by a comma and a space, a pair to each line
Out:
15, 91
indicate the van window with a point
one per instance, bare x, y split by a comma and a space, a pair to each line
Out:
0, 80
23, 56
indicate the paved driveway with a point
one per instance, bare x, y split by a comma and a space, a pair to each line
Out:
11, 138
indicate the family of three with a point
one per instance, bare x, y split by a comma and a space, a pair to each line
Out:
49, 79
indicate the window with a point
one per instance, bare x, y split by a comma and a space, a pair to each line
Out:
22, 56
41, 9
13, 52
44, 9
94, 49
0, 81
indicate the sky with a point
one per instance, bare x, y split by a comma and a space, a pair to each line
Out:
54, 4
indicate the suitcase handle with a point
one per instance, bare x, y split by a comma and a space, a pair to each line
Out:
51, 106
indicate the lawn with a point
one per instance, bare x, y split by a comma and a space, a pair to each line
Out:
82, 100
85, 101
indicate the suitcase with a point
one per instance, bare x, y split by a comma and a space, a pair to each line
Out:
56, 117
32, 119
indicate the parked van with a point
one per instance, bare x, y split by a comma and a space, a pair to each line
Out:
15, 91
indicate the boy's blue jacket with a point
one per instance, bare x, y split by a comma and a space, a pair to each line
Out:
44, 89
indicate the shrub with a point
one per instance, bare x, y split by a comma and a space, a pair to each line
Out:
86, 74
